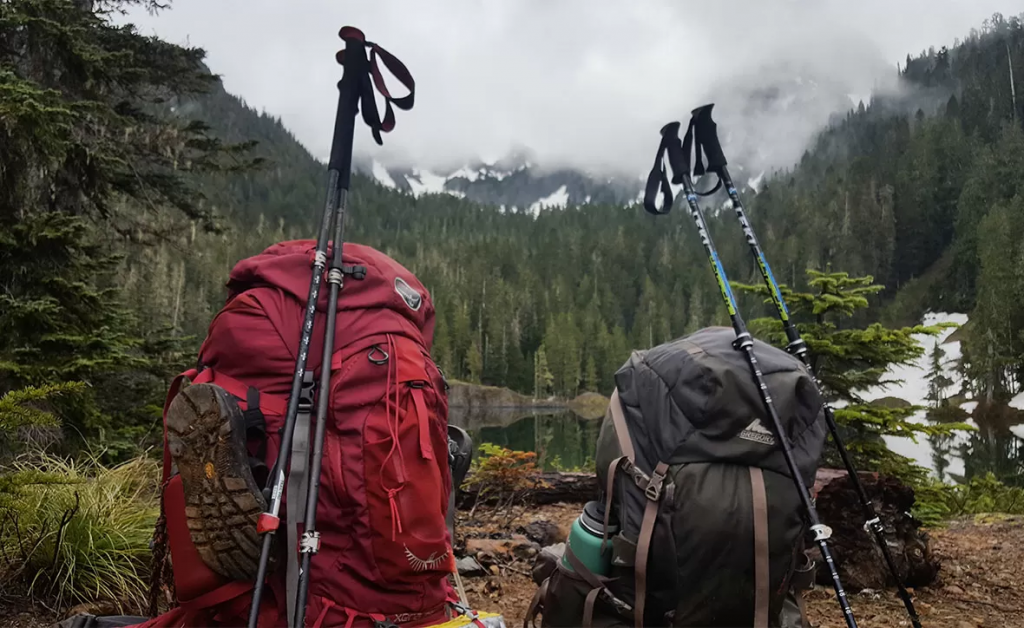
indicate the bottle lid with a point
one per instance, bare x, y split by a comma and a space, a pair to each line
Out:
592, 519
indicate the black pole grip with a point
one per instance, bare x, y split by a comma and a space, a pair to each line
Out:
357, 70
678, 159
705, 133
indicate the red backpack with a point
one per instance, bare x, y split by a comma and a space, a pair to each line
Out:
385, 549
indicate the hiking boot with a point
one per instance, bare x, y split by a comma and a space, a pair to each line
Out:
206, 437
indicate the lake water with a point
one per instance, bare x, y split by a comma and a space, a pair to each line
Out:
565, 440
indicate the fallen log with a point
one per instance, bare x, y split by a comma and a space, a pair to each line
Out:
554, 487
858, 559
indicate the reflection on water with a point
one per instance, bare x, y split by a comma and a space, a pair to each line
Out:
563, 440
994, 447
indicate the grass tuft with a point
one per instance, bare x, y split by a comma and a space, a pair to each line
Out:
81, 533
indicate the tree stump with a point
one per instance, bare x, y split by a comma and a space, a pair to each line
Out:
859, 560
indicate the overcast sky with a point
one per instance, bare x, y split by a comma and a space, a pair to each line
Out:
586, 82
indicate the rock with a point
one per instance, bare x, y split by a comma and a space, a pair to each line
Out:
544, 533
489, 551
470, 567
952, 589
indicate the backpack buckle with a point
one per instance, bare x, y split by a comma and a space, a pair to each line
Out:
654, 486
306, 393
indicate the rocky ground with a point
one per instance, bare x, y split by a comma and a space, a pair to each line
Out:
979, 586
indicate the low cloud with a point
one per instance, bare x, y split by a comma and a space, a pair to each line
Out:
586, 83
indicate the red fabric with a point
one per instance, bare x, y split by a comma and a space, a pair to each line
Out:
381, 512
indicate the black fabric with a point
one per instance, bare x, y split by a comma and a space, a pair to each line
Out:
460, 457
714, 534
255, 421
662, 575
256, 432
564, 600
692, 400
693, 403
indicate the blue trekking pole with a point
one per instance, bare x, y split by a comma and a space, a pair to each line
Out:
679, 160
705, 133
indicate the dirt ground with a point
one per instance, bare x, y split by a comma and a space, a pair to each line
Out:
980, 581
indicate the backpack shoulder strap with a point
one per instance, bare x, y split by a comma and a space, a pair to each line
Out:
621, 431
653, 492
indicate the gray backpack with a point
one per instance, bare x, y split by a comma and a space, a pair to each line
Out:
711, 530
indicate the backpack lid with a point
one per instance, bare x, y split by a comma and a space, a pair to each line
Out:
288, 265
694, 399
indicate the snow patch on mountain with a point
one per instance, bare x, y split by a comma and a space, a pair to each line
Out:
465, 173
426, 182
559, 198
755, 183
381, 174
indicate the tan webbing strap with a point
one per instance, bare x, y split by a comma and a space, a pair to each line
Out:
535, 605
643, 544
295, 503
761, 573
588, 608
609, 492
621, 431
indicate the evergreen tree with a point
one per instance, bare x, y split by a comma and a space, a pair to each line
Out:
938, 382
543, 379
850, 360
86, 153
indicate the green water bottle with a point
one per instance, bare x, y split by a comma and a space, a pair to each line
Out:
585, 538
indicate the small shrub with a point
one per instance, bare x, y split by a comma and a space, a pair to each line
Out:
78, 532
504, 476
983, 494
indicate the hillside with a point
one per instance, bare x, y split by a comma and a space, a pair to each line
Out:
888, 190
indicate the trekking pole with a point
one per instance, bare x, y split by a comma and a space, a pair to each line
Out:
354, 88
680, 161
706, 135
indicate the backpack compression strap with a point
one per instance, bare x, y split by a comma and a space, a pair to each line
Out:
368, 104
701, 139
653, 487
761, 556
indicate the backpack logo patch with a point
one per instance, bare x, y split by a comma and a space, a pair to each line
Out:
419, 564
758, 433
410, 296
